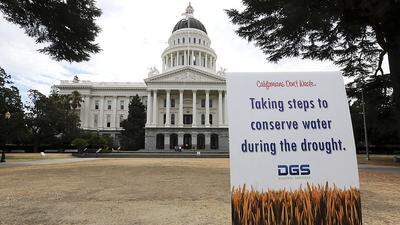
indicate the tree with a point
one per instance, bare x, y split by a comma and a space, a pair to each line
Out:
380, 112
133, 133
12, 130
67, 25
355, 35
52, 118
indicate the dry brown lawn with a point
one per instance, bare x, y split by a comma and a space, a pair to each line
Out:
25, 157
148, 191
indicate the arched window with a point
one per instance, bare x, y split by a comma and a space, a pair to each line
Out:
187, 141
173, 141
201, 141
214, 141
160, 141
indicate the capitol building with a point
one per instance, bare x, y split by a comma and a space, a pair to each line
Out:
185, 102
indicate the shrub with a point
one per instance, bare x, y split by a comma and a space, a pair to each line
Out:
80, 143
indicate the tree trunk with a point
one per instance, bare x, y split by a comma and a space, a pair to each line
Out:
394, 66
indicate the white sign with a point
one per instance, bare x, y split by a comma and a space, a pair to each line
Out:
287, 130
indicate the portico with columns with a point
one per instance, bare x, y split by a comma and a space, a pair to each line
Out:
187, 100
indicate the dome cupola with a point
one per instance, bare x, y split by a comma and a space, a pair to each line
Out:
189, 46
189, 21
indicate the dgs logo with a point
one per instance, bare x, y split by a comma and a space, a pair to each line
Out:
294, 170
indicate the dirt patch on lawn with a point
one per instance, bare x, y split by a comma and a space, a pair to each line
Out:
147, 191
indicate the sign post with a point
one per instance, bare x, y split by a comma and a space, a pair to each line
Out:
292, 151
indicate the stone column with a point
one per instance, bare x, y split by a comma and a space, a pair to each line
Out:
226, 109
194, 140
207, 140
193, 58
149, 112
167, 110
194, 106
207, 108
155, 107
115, 112
180, 138
220, 120
177, 58
166, 141
206, 60
101, 116
198, 60
171, 59
185, 58
180, 108
87, 112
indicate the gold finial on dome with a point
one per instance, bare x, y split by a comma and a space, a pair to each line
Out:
189, 10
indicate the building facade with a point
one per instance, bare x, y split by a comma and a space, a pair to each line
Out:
186, 102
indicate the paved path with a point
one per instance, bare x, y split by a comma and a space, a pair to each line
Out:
45, 162
362, 167
379, 169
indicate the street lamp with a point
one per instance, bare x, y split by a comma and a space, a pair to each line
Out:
365, 125
7, 116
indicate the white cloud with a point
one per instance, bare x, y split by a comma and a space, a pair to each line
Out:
133, 37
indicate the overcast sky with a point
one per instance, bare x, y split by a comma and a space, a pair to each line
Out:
133, 37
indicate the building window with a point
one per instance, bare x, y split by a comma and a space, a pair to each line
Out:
108, 120
165, 103
210, 118
96, 104
204, 42
179, 41
96, 120
165, 118
187, 119
109, 104
214, 141
173, 103
173, 141
173, 119
183, 40
210, 103
122, 105
203, 119
194, 40
121, 118
201, 141
203, 103
199, 41
160, 141
189, 40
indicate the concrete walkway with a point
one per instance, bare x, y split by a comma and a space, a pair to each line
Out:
45, 162
379, 169
362, 167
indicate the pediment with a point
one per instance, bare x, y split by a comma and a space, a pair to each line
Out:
186, 75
